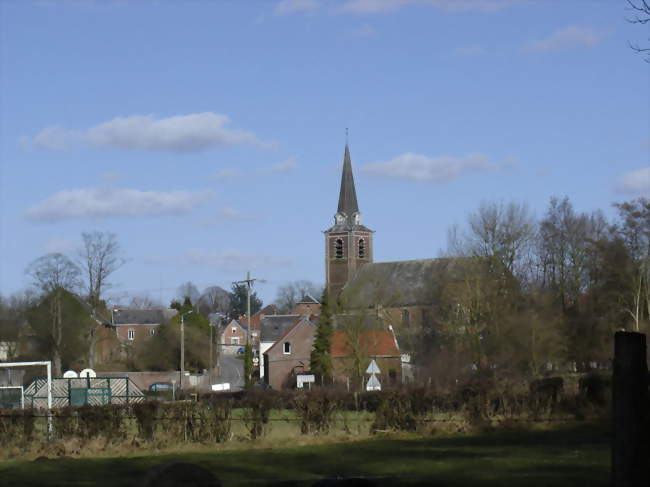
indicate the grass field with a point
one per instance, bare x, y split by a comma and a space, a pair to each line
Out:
573, 456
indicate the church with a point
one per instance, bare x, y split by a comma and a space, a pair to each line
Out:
401, 295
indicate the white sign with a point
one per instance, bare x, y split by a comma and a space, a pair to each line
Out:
70, 374
373, 384
373, 368
303, 379
221, 387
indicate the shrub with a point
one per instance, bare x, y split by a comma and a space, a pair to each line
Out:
316, 411
145, 415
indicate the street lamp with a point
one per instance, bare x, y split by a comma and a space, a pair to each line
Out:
180, 385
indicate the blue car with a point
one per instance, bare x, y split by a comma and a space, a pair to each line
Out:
240, 351
161, 386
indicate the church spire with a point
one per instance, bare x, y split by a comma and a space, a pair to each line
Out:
348, 195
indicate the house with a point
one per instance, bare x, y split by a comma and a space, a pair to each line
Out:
290, 354
233, 336
308, 306
256, 322
273, 327
353, 349
132, 325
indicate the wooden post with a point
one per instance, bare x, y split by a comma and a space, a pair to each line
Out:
629, 409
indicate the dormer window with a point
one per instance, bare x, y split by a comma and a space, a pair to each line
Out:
338, 248
362, 248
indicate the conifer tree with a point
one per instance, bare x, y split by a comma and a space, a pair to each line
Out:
321, 360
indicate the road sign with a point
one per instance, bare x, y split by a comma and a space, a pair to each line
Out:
373, 368
373, 384
303, 379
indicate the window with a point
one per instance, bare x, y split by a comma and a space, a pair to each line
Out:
152, 331
234, 330
406, 317
362, 248
131, 334
234, 340
287, 348
338, 248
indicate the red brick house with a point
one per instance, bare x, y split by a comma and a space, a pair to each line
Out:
132, 325
352, 351
290, 354
234, 333
308, 306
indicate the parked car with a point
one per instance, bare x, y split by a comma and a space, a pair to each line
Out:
161, 386
240, 351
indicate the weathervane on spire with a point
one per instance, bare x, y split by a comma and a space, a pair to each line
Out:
346, 135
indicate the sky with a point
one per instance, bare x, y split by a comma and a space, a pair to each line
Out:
208, 136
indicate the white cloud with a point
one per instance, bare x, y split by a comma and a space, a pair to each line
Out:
382, 6
286, 7
232, 260
194, 132
284, 166
416, 167
469, 51
226, 174
570, 36
111, 202
54, 139
635, 182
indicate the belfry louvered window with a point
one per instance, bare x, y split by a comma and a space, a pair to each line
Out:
338, 248
362, 249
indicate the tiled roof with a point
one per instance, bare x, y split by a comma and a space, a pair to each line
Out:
375, 343
401, 283
308, 299
130, 316
274, 326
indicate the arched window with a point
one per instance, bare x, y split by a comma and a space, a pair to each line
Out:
338, 248
362, 248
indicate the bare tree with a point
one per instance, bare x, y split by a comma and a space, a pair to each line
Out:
214, 299
641, 9
291, 293
188, 290
52, 274
496, 230
99, 258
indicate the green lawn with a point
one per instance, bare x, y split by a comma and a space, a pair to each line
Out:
577, 455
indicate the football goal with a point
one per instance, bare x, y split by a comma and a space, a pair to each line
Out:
14, 378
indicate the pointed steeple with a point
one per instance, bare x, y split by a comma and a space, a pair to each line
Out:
348, 195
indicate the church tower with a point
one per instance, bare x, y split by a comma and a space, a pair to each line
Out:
348, 244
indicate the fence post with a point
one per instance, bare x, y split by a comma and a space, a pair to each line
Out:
629, 410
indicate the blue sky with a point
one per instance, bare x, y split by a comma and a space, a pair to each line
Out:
209, 135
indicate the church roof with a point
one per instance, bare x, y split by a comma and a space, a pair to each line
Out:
401, 283
348, 195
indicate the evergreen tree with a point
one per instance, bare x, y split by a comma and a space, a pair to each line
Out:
239, 294
321, 360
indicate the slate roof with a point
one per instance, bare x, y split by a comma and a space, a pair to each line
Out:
152, 316
303, 319
375, 343
274, 326
308, 299
401, 283
348, 194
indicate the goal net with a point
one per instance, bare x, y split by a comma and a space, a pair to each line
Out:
15, 379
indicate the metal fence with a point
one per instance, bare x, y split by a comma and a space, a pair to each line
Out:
94, 391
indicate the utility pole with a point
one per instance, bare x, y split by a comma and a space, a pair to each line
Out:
180, 385
249, 347
249, 282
